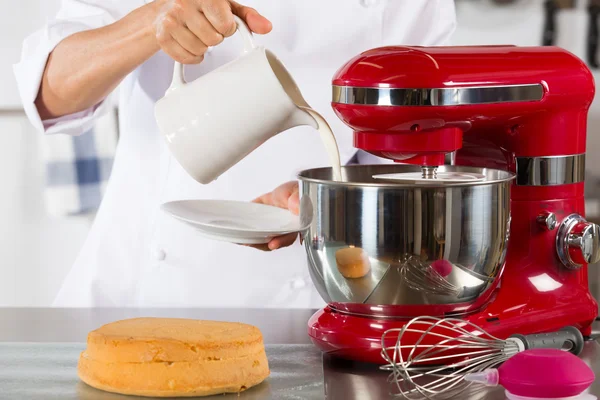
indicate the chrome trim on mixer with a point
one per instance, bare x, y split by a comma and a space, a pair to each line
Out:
549, 171
382, 314
458, 96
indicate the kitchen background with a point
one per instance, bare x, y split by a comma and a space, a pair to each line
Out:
38, 244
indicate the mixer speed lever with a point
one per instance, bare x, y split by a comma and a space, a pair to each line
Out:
578, 242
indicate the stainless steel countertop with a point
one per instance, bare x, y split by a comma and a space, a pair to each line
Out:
38, 358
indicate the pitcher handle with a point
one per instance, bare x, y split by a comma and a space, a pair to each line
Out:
248, 41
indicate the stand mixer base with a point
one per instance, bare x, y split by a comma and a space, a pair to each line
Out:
358, 338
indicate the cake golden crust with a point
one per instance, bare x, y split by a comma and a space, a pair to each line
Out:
175, 379
172, 339
168, 357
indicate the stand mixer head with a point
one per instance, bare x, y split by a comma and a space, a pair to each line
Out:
519, 111
415, 105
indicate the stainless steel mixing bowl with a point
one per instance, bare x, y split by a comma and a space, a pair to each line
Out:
405, 230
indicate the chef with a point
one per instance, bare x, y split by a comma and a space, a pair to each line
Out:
135, 255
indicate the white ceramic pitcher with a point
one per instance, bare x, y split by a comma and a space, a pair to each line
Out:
214, 122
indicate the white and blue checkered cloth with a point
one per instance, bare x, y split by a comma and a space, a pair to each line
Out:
78, 168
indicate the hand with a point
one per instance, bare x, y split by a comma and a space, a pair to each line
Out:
285, 196
186, 28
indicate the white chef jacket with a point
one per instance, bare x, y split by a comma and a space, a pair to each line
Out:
136, 255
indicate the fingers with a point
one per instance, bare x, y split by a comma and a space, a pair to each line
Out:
220, 16
262, 247
174, 37
285, 191
255, 21
282, 241
189, 41
285, 196
274, 198
294, 201
264, 199
276, 243
170, 46
186, 28
203, 29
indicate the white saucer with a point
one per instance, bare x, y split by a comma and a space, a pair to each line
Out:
236, 239
235, 221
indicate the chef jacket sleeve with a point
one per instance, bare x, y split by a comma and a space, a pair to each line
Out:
433, 23
74, 16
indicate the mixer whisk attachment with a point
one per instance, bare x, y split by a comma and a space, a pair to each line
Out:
430, 356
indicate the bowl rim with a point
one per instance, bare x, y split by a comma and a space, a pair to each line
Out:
382, 183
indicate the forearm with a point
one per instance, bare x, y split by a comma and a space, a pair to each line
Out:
86, 67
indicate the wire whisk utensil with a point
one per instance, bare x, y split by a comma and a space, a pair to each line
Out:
423, 277
430, 356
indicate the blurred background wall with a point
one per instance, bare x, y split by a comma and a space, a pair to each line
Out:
37, 249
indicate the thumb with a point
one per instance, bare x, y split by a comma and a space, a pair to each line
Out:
255, 21
294, 202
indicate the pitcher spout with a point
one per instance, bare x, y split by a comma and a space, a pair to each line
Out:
300, 117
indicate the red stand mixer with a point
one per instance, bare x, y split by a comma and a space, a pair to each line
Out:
513, 116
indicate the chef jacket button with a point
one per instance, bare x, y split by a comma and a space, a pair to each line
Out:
298, 283
160, 254
369, 3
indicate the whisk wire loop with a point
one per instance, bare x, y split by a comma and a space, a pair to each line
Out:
437, 353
